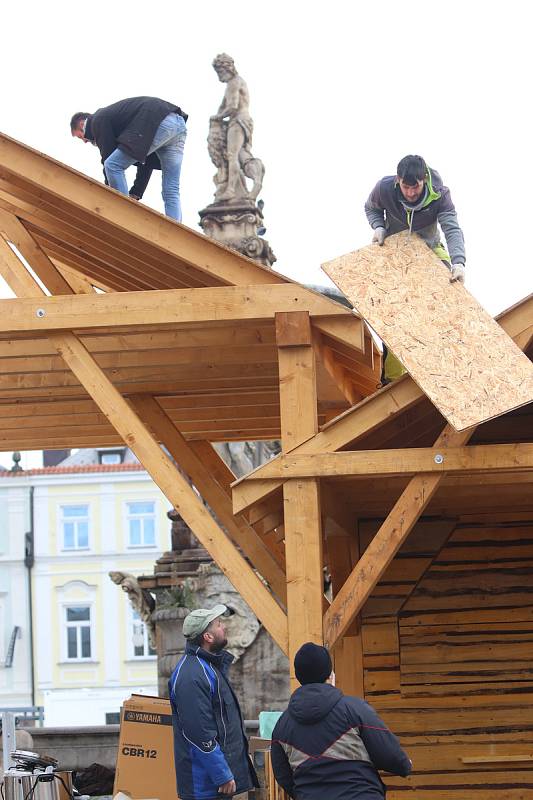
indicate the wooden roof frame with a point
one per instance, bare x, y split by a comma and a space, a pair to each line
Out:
83, 260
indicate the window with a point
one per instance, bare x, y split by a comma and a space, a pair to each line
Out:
141, 524
141, 646
75, 527
78, 630
110, 457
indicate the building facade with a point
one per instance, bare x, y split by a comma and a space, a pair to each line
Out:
95, 513
15, 599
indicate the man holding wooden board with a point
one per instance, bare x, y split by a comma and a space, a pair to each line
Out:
416, 200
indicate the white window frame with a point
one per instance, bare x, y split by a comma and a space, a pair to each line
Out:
134, 620
117, 457
132, 516
62, 519
66, 625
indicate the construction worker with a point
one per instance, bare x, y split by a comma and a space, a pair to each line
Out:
416, 200
130, 132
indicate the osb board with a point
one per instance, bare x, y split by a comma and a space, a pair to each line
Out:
462, 359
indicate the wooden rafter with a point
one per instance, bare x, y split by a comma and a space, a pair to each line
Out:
59, 202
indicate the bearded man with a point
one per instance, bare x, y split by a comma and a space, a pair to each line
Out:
210, 745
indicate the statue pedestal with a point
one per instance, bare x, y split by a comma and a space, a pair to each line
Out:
236, 224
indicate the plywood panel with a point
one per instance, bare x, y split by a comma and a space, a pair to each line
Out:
459, 356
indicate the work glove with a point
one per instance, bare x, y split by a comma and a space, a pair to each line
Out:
379, 236
457, 273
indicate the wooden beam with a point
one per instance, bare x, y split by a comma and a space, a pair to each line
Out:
386, 543
238, 529
405, 461
339, 329
301, 498
345, 429
157, 307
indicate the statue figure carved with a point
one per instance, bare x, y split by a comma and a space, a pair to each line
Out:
230, 139
141, 600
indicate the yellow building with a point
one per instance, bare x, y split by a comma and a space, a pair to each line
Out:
97, 512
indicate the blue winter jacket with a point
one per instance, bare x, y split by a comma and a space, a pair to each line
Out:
210, 746
327, 746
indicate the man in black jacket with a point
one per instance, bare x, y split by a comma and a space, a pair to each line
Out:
131, 132
329, 746
210, 745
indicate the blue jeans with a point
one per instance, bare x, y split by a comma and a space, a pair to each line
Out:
168, 143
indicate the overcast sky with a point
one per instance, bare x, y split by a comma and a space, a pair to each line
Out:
340, 91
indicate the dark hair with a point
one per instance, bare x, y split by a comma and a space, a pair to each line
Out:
411, 169
197, 641
77, 118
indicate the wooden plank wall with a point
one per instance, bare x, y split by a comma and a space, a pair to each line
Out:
448, 658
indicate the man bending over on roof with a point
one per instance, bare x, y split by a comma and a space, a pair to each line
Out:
415, 199
134, 131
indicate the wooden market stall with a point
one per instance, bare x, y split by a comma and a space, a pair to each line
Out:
128, 327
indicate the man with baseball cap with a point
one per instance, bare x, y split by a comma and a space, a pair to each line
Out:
210, 745
328, 745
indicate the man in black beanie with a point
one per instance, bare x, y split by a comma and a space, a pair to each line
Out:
327, 746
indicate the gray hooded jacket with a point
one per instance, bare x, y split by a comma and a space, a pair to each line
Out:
387, 208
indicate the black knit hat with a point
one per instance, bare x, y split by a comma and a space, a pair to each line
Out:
312, 664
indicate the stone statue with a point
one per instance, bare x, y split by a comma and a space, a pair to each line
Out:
242, 626
230, 139
243, 457
236, 455
141, 600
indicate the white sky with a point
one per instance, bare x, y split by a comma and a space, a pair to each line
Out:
340, 91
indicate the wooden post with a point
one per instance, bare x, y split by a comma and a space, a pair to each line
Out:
301, 497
